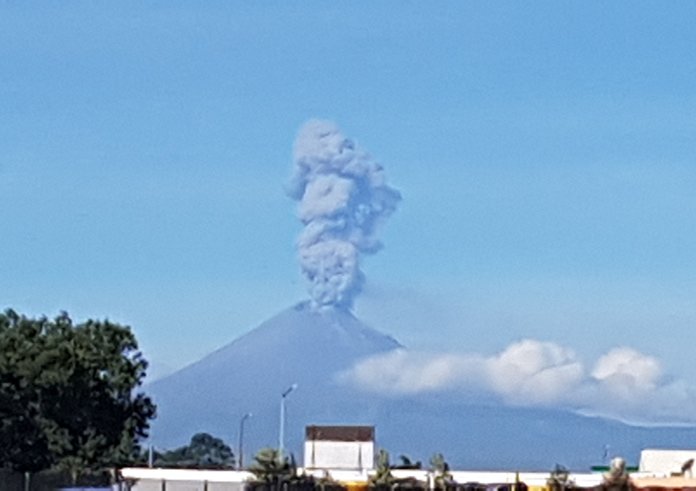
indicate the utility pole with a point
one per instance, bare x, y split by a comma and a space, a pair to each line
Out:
281, 433
241, 440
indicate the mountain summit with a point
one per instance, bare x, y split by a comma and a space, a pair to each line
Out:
300, 345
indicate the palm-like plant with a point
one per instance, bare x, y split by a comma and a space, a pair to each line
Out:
270, 467
559, 480
617, 479
441, 472
382, 478
275, 472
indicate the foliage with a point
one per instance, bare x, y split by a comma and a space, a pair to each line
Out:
441, 472
559, 480
404, 483
203, 452
274, 471
271, 468
382, 478
617, 479
67, 394
407, 463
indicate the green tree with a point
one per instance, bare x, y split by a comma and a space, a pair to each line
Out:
203, 452
272, 471
270, 468
68, 394
23, 444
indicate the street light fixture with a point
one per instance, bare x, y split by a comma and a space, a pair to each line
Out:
241, 439
281, 435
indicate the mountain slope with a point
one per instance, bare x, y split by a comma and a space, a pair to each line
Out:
309, 348
298, 345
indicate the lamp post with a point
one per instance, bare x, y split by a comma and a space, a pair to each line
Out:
241, 439
281, 433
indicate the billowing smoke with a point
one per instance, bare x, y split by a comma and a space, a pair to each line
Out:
343, 199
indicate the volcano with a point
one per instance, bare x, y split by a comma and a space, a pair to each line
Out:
311, 347
300, 345
343, 200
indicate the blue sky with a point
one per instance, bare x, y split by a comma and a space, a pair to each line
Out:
544, 151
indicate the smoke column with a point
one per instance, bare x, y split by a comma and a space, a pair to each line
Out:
343, 199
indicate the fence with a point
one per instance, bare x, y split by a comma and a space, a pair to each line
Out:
51, 481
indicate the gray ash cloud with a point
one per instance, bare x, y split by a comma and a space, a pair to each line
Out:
343, 201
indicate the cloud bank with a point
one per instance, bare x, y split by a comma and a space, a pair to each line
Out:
622, 384
343, 200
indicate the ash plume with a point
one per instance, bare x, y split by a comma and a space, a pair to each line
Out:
343, 200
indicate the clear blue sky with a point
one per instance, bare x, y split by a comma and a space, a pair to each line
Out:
545, 152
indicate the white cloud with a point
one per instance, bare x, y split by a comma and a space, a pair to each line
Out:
404, 372
624, 383
627, 367
534, 372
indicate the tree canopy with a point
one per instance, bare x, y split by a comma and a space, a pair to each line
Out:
68, 394
204, 452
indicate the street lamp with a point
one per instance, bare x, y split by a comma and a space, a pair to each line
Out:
241, 439
281, 435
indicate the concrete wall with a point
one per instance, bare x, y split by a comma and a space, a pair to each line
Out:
200, 480
146, 479
338, 455
664, 462
532, 479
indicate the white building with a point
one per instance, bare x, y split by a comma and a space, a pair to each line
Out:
666, 463
339, 447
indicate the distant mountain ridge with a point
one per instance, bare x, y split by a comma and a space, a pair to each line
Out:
308, 347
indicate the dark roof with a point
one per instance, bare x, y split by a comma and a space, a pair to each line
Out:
341, 433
